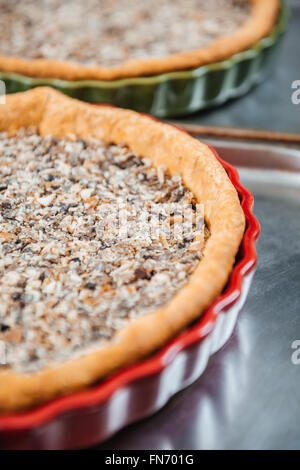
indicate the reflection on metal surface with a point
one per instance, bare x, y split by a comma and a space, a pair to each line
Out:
216, 404
197, 415
248, 396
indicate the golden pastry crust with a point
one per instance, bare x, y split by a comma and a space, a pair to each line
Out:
261, 21
53, 113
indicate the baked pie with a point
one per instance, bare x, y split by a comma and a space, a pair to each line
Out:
113, 39
82, 295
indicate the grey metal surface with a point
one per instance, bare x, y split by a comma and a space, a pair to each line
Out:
248, 396
269, 105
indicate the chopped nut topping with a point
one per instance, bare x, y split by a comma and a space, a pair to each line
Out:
69, 276
126, 29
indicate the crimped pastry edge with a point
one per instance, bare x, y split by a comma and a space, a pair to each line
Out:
53, 113
261, 21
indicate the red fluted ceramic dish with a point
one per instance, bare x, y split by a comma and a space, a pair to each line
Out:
91, 416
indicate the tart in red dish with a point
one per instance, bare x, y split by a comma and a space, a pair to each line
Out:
81, 298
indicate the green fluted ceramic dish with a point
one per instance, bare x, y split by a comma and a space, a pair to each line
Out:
172, 94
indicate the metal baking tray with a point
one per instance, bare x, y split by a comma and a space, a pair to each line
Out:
248, 396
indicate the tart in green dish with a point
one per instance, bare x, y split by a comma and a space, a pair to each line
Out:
227, 46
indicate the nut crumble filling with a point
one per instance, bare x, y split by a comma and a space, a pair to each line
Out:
69, 278
111, 32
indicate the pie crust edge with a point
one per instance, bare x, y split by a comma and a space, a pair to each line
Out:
262, 19
53, 113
